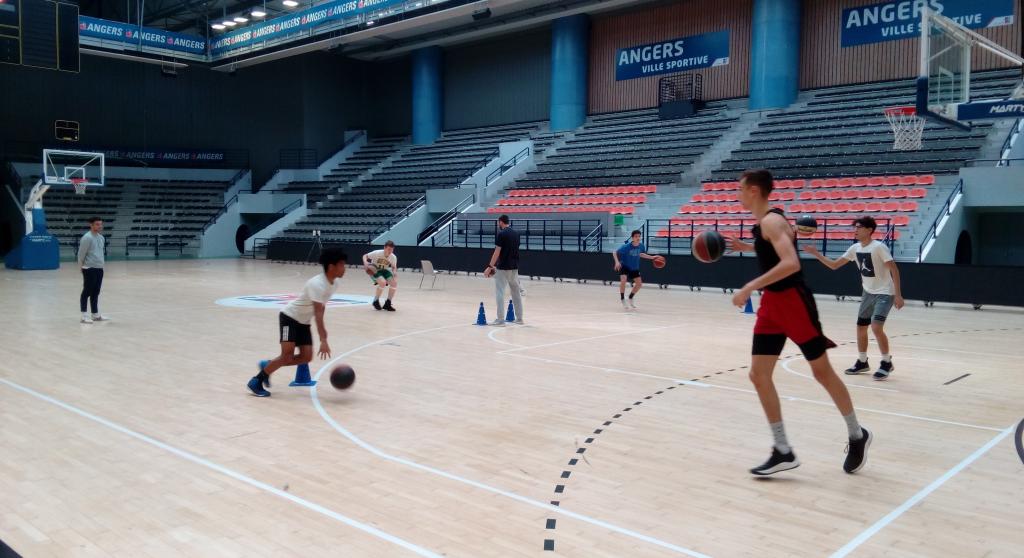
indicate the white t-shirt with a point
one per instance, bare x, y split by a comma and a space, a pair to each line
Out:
317, 289
871, 260
382, 262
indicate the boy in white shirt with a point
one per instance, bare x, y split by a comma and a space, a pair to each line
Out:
382, 266
295, 320
881, 281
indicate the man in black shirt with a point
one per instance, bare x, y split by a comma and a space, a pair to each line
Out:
504, 266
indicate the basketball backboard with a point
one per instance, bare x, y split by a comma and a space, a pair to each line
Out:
61, 167
944, 79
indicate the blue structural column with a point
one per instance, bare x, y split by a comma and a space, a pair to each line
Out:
775, 54
427, 91
569, 60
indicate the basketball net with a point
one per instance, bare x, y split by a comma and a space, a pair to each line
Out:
907, 126
79, 184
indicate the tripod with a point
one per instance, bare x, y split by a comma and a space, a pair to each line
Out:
317, 246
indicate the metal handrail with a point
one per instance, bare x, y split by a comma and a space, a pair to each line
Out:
947, 210
346, 143
697, 225
1008, 142
527, 228
221, 211
998, 162
394, 219
506, 166
446, 218
598, 239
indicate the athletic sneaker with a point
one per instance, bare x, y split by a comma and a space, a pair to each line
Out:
376, 304
388, 307
778, 462
100, 318
498, 323
857, 452
858, 367
519, 321
257, 389
884, 370
263, 364
86, 319
632, 304
624, 305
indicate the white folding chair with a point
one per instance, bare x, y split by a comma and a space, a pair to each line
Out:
428, 270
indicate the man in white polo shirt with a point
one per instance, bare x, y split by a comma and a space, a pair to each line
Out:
880, 279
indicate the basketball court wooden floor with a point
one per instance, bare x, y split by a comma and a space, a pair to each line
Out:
590, 431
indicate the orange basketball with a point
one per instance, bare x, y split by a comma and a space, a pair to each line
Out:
658, 262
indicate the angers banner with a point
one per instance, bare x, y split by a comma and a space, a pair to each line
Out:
298, 21
146, 36
891, 21
675, 55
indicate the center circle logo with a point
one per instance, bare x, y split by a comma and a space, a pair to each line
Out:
1019, 440
279, 301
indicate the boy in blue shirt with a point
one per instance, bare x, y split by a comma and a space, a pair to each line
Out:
627, 263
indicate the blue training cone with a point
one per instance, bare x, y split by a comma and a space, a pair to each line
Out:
749, 308
510, 315
302, 377
481, 319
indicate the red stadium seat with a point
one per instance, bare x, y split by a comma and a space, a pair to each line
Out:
866, 194
857, 207
831, 182
901, 220
845, 182
909, 180
891, 206
873, 207
797, 183
806, 195
883, 194
917, 193
891, 181
876, 181
842, 207
835, 195
826, 207
900, 193
817, 183
926, 180
860, 181
820, 195
908, 206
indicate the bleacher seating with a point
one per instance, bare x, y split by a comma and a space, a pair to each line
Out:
629, 148
365, 158
136, 212
842, 131
357, 214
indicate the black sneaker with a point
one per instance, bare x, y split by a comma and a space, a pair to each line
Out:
256, 387
857, 452
266, 381
376, 304
858, 367
388, 307
778, 462
884, 370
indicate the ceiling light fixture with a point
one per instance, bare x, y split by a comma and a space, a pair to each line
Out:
290, 3
241, 19
217, 26
258, 13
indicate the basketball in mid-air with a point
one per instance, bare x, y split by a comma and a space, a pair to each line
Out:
806, 225
708, 246
658, 262
342, 376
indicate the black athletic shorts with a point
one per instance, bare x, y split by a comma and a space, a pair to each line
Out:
294, 332
630, 274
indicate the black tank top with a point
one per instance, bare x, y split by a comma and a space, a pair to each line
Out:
767, 258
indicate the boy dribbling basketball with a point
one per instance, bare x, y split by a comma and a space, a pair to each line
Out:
294, 321
627, 263
787, 311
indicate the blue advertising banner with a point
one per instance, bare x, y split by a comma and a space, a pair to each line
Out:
132, 34
298, 21
675, 55
891, 21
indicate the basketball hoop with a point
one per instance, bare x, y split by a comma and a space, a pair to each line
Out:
907, 126
79, 184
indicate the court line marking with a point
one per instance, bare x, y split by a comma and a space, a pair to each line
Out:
706, 384
476, 484
785, 366
1004, 355
373, 531
593, 338
921, 495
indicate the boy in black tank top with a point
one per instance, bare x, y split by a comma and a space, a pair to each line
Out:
787, 311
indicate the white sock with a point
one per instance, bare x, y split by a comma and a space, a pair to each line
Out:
886, 358
862, 357
852, 426
779, 433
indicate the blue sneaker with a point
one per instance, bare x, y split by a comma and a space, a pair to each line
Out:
256, 388
263, 364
